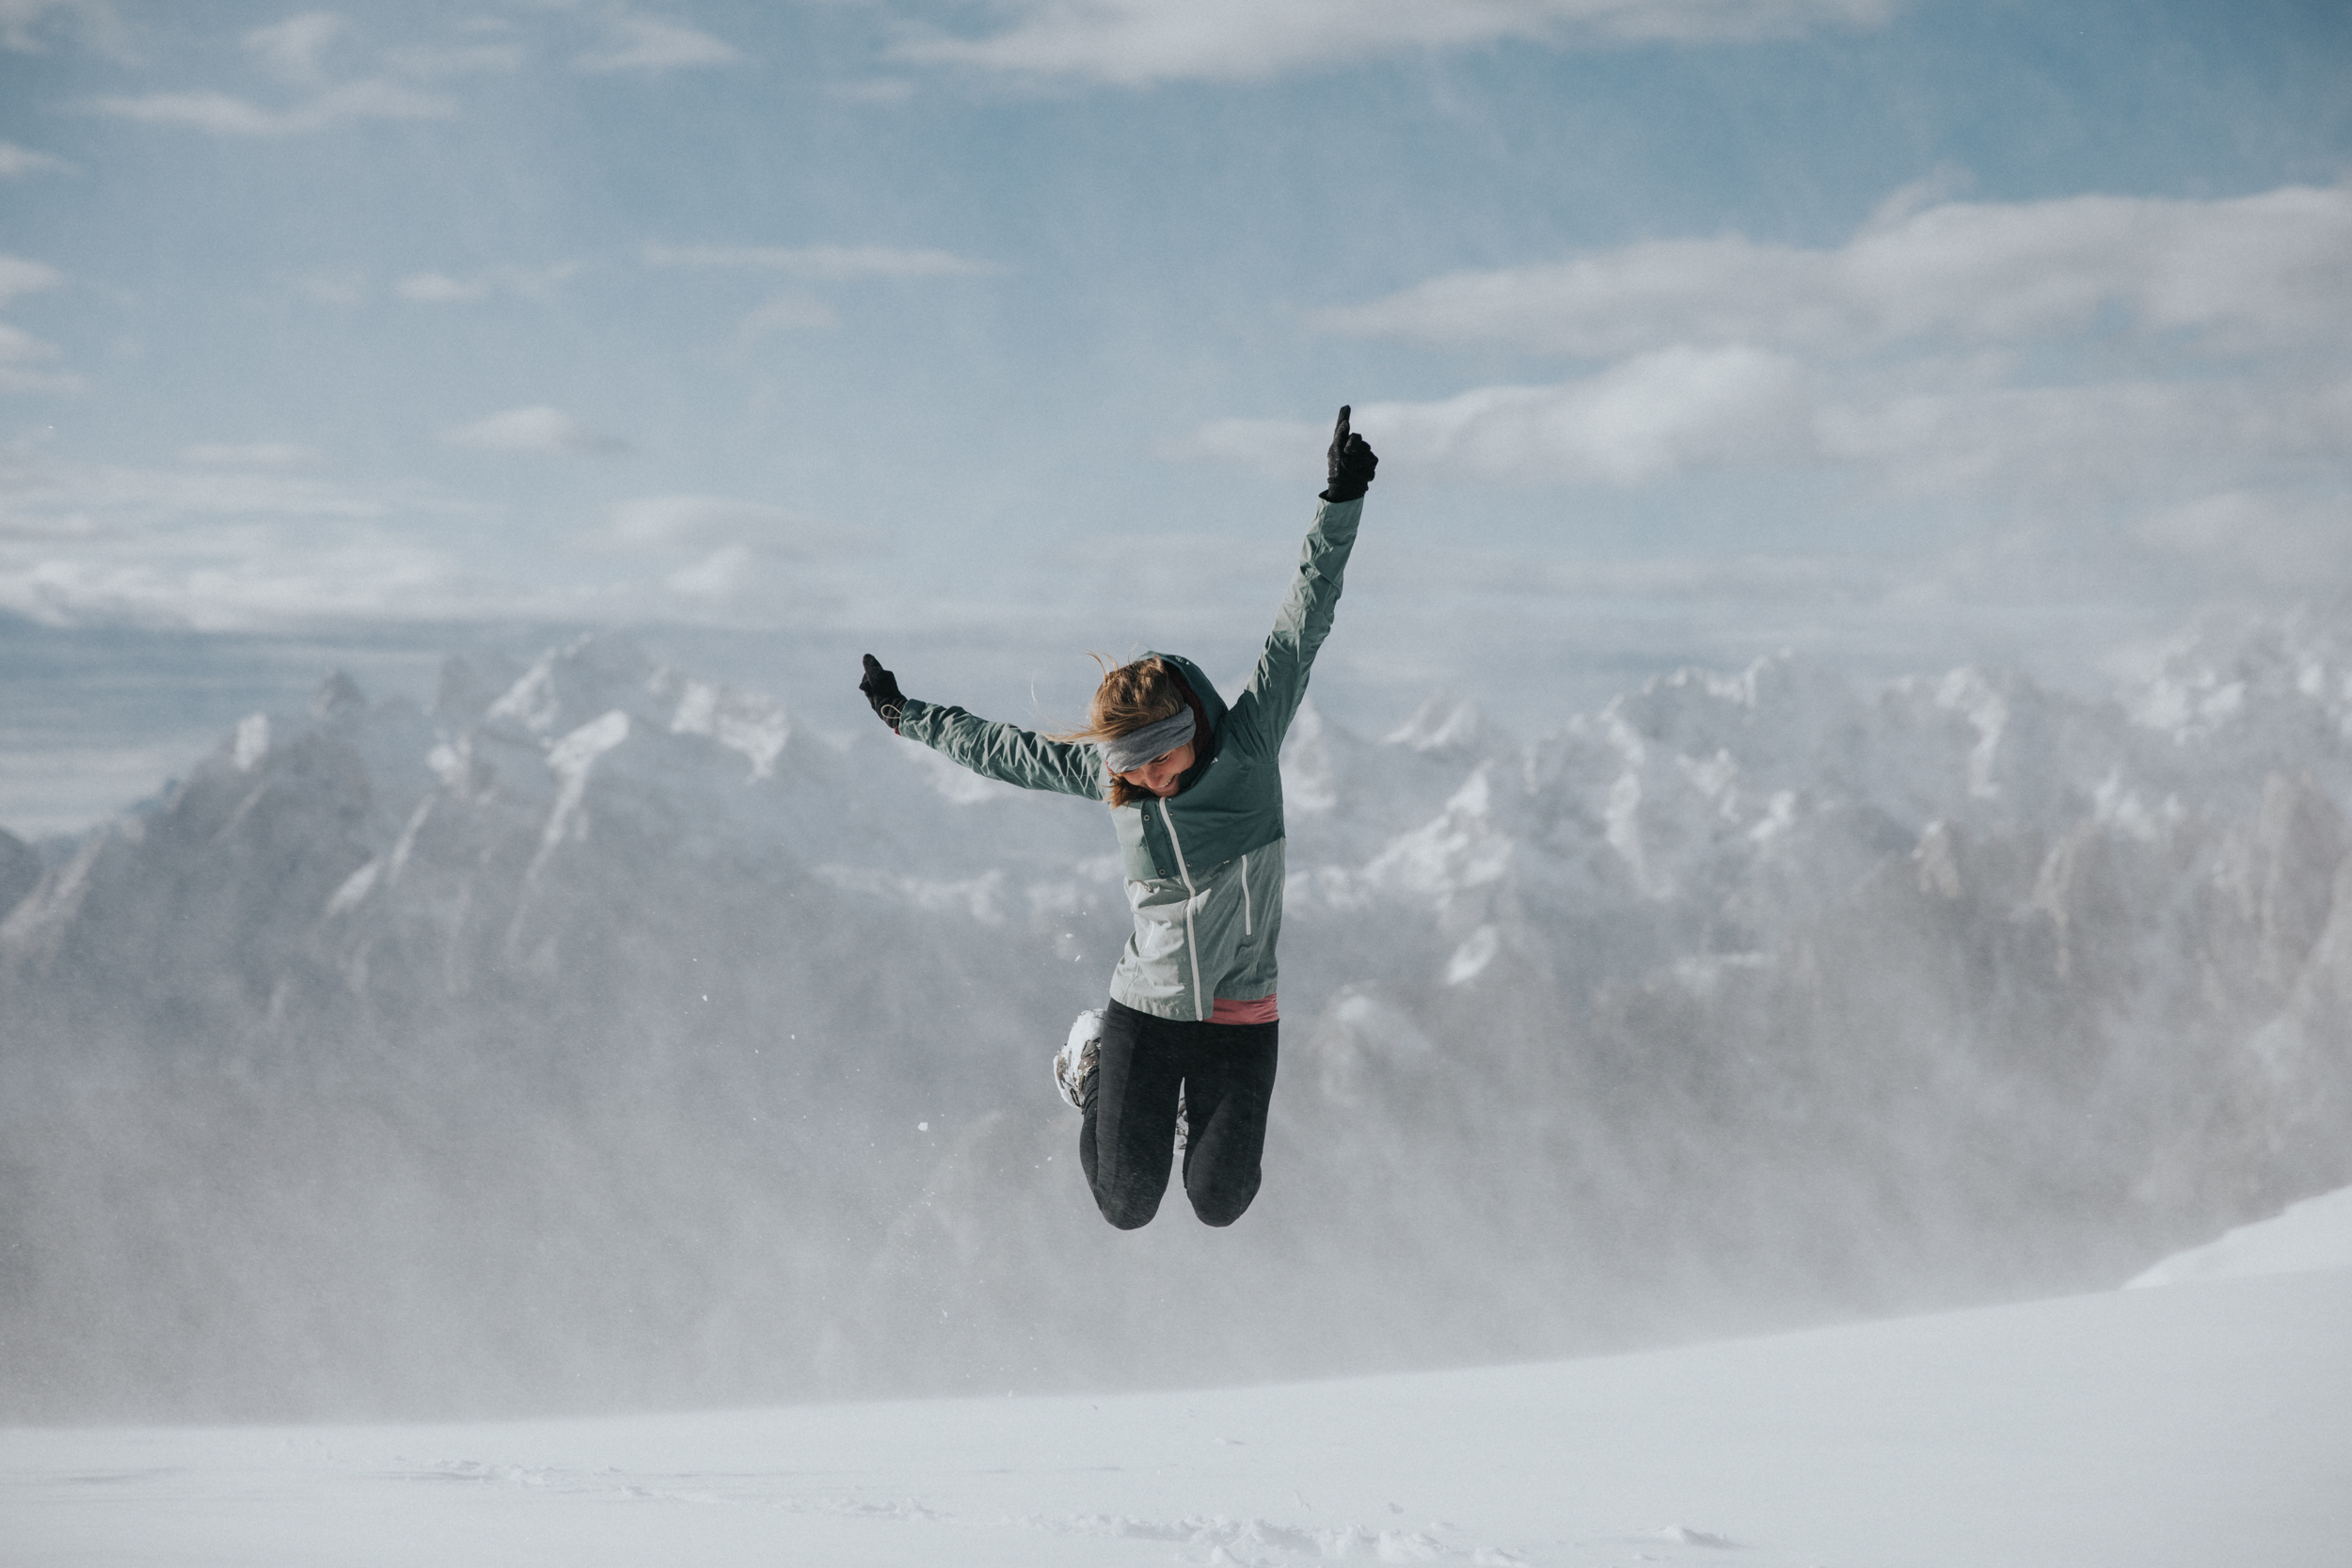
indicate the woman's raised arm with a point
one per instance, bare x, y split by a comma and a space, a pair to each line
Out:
1263, 715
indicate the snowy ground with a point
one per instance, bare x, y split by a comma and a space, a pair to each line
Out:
2207, 1423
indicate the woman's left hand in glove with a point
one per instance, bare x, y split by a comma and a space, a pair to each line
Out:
881, 692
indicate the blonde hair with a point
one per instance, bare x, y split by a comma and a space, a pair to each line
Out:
1131, 695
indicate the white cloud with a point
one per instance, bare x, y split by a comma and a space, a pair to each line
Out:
84, 541
2051, 449
21, 354
2094, 391
226, 115
16, 162
253, 536
20, 347
294, 49
650, 43
696, 522
436, 288
1909, 432
2286, 541
440, 288
823, 263
43, 497
20, 21
1135, 42
250, 454
2251, 272
295, 53
796, 311
722, 557
1955, 349
1757, 578
21, 276
536, 431
333, 288
430, 62
724, 574
23, 357
17, 380
222, 113
790, 312
23, 23
1653, 417
882, 90
747, 586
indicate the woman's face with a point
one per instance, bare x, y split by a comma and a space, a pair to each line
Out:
1159, 775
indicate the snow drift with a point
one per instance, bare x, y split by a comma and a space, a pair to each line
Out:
2309, 1237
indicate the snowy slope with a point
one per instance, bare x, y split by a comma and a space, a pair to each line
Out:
2312, 1235
2164, 1429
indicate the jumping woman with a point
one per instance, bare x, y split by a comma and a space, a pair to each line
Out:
1186, 1047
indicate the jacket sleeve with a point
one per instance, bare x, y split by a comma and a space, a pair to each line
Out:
1263, 714
1005, 751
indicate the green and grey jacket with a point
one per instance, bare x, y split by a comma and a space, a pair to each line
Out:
1204, 866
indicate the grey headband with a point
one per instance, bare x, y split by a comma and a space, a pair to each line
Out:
1124, 753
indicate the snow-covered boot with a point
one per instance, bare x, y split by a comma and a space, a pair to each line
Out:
1074, 1065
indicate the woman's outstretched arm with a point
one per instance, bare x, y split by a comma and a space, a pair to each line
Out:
1263, 715
994, 750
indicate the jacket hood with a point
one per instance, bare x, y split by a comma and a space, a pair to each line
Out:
1212, 708
1211, 704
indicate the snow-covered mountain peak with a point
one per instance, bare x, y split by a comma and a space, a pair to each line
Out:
337, 697
2246, 672
742, 721
565, 688
1783, 710
1442, 724
578, 685
1309, 769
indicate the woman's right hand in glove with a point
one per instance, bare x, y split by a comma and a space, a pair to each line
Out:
1348, 465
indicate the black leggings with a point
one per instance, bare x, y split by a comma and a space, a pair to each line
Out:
1227, 1073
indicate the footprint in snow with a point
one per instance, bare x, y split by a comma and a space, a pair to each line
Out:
1683, 1535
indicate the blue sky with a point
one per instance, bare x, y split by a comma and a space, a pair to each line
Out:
1901, 331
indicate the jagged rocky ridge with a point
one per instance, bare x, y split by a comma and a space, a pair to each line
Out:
595, 1038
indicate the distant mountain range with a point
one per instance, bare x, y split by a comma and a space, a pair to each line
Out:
594, 1038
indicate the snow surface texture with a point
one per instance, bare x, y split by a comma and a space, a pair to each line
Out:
2312, 1235
2152, 1429
596, 1039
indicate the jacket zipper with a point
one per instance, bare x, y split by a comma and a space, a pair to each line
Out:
1192, 942
1245, 895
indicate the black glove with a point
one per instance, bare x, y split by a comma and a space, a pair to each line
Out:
1349, 464
881, 690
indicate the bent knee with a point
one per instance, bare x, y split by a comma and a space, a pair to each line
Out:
1127, 1213
1223, 1209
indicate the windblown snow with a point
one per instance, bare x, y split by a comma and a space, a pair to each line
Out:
594, 1037
2142, 1429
